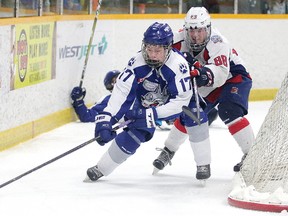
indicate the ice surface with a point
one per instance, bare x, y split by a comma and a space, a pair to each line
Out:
58, 188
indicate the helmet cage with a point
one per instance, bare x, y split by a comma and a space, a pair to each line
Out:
157, 34
196, 18
194, 46
151, 62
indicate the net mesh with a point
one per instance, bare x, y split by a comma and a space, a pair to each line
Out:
266, 165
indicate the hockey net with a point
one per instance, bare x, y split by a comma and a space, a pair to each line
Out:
262, 183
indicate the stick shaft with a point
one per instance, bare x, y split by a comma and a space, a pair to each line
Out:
60, 156
48, 162
90, 43
191, 115
196, 97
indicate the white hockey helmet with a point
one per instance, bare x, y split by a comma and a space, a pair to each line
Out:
197, 17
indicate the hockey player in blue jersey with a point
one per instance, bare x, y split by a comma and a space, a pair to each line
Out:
88, 114
223, 81
154, 85
78, 94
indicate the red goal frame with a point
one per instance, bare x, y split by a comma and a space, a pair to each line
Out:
257, 206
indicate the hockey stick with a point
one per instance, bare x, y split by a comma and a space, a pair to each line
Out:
187, 110
62, 155
196, 97
90, 42
189, 113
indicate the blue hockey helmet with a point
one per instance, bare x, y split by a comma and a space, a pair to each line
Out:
109, 79
157, 34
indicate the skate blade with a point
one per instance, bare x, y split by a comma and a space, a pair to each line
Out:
202, 182
155, 171
87, 180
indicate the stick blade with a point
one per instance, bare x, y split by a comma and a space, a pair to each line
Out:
189, 113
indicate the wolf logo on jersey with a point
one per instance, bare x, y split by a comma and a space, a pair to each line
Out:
156, 98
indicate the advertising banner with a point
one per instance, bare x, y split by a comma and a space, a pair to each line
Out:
33, 57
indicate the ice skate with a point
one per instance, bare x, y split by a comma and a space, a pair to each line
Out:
203, 173
238, 166
93, 174
163, 159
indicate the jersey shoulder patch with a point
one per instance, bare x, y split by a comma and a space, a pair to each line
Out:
216, 39
131, 61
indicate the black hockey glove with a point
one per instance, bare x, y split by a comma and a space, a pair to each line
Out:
204, 76
77, 95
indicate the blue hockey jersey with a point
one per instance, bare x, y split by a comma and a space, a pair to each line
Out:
167, 88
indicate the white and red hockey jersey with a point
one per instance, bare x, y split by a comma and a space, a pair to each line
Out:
218, 56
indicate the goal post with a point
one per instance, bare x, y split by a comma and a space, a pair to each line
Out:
262, 183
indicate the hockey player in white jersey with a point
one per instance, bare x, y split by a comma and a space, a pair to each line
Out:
222, 79
154, 85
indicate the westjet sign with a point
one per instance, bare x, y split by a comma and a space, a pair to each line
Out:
80, 52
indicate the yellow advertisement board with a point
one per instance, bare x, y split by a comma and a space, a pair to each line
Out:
33, 57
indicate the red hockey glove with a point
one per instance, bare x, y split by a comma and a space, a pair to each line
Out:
193, 62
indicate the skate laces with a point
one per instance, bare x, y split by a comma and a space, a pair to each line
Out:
165, 156
202, 169
96, 171
242, 160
